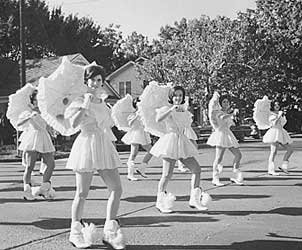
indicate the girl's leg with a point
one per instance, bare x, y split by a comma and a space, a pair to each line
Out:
193, 165
45, 190
237, 158
130, 163
49, 161
133, 152
217, 167
31, 157
111, 178
112, 233
167, 173
237, 178
287, 155
164, 201
271, 159
147, 156
195, 196
83, 181
142, 167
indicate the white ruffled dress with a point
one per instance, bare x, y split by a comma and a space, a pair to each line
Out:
222, 135
136, 134
108, 124
277, 133
35, 137
174, 144
92, 150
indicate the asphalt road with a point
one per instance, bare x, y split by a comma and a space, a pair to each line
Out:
265, 213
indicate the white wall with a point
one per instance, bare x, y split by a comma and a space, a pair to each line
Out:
128, 74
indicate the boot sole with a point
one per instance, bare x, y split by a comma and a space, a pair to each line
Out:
283, 170
107, 244
237, 183
79, 247
206, 209
170, 212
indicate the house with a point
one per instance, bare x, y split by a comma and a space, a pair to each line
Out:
36, 68
125, 79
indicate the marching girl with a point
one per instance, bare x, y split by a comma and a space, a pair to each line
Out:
223, 138
93, 151
173, 146
275, 136
34, 141
134, 137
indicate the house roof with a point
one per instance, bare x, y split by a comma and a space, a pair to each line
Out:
124, 67
120, 69
36, 68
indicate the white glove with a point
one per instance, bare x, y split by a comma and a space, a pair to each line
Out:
87, 100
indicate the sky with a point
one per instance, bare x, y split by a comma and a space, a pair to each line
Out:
147, 16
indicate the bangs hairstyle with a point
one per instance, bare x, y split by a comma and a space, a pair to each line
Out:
33, 96
93, 71
135, 101
172, 94
221, 98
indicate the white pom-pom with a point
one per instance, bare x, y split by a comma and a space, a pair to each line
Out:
90, 233
206, 198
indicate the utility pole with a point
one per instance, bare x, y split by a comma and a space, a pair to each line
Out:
22, 66
22, 45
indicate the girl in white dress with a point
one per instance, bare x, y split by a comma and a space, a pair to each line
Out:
223, 138
174, 145
134, 137
35, 140
275, 136
93, 151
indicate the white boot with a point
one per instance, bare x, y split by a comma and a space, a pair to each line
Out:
196, 199
27, 194
215, 180
113, 235
284, 167
237, 177
141, 169
165, 202
45, 190
271, 169
76, 237
130, 175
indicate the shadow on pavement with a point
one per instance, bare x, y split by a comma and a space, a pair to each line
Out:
245, 245
290, 211
151, 221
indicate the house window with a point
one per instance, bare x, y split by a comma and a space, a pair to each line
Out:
121, 88
124, 88
128, 87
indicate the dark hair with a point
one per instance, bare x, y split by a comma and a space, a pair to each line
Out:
172, 94
226, 96
92, 71
273, 104
33, 96
135, 101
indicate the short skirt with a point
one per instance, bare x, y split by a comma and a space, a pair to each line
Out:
92, 151
174, 146
223, 138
